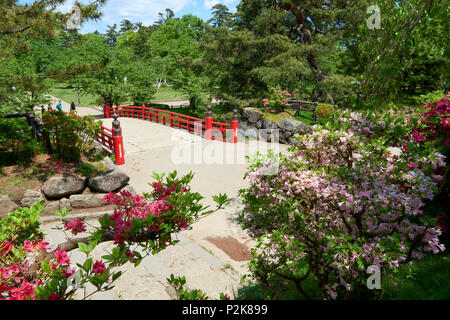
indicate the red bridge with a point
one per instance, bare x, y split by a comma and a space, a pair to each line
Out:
112, 139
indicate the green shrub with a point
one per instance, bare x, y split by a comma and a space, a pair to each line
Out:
13, 133
70, 135
430, 97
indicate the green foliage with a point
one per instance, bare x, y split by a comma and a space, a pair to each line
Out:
69, 134
25, 28
13, 134
426, 279
221, 16
430, 97
184, 294
324, 111
89, 170
175, 53
16, 142
22, 224
277, 100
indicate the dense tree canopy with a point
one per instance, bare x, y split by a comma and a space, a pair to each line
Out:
22, 25
319, 50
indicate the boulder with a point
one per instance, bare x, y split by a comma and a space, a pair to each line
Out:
58, 187
6, 205
266, 124
270, 135
130, 189
64, 203
96, 148
295, 126
51, 206
82, 201
31, 197
109, 181
289, 124
252, 115
252, 133
243, 125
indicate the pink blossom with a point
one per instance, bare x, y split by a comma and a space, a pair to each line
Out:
76, 226
99, 267
61, 257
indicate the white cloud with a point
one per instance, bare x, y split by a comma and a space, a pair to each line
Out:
210, 3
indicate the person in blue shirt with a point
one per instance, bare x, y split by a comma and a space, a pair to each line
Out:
59, 106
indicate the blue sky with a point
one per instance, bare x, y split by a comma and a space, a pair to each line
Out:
146, 11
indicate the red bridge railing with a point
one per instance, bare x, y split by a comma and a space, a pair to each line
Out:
111, 140
205, 127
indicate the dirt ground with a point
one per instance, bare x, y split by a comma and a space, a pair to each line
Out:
236, 250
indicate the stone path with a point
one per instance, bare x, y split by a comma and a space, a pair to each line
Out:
153, 147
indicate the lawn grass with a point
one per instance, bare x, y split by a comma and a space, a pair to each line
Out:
426, 279
168, 93
304, 116
67, 94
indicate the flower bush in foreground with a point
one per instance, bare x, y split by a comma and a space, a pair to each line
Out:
340, 202
140, 226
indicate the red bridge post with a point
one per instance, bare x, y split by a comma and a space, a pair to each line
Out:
208, 124
118, 141
235, 126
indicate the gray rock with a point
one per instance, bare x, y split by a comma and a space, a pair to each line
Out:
58, 187
6, 205
243, 124
287, 134
96, 149
64, 203
295, 126
270, 135
269, 124
289, 124
82, 201
258, 124
130, 189
109, 163
109, 181
51, 206
30, 198
252, 115
252, 133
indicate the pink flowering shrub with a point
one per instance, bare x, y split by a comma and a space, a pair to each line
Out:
277, 100
433, 124
340, 203
21, 242
140, 226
